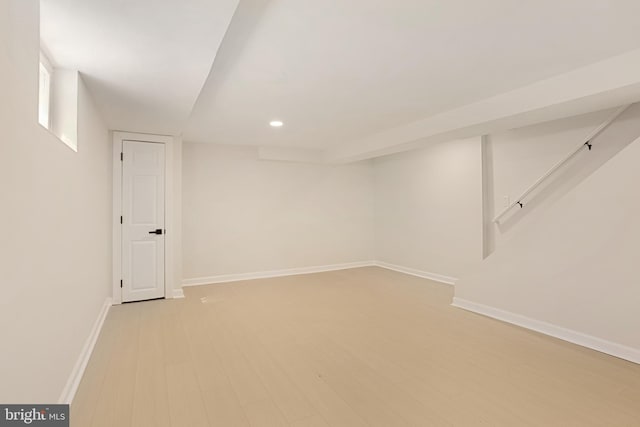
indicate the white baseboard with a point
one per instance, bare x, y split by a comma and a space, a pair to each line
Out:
579, 338
273, 273
178, 293
424, 274
73, 382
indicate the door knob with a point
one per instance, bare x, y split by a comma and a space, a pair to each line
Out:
157, 231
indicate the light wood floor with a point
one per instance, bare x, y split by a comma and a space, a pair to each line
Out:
349, 348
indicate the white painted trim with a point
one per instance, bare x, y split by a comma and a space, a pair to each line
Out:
274, 273
142, 137
178, 293
73, 382
170, 223
424, 274
116, 247
198, 281
575, 337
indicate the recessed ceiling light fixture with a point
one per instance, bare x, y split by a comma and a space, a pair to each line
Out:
276, 123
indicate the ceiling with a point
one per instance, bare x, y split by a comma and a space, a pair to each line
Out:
338, 73
144, 61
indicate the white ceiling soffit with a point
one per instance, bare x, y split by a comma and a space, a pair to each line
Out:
354, 78
144, 61
599, 86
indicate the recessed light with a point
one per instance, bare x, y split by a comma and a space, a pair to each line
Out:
276, 123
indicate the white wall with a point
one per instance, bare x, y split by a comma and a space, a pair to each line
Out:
428, 207
576, 266
518, 157
429, 202
243, 215
55, 255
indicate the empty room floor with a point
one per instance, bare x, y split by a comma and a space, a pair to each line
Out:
355, 347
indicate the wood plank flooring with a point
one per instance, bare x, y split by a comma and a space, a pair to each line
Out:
360, 347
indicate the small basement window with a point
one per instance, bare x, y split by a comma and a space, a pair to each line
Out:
44, 92
58, 101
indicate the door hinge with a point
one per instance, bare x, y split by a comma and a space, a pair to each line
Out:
120, 283
120, 219
121, 157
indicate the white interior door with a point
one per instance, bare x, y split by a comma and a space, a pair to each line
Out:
143, 230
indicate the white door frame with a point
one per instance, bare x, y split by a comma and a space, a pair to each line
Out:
170, 226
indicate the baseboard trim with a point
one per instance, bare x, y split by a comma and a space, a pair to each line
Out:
178, 293
73, 382
198, 281
618, 350
412, 271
